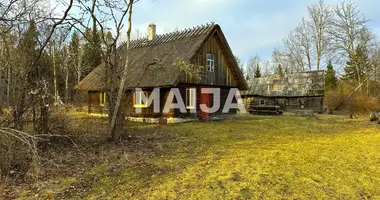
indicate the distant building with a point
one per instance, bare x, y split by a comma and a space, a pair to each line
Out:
304, 90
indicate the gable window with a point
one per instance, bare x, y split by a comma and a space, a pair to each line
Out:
210, 62
190, 98
140, 99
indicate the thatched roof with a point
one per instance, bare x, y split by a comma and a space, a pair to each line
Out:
152, 62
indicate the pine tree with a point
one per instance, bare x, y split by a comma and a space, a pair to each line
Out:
28, 51
330, 79
355, 67
257, 72
92, 55
28, 44
75, 55
74, 47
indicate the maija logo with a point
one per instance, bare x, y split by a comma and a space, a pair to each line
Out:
190, 103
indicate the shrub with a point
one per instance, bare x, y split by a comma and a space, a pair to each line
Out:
358, 103
18, 152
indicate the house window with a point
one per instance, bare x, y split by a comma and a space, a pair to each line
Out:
140, 99
102, 98
210, 62
277, 87
262, 102
190, 98
270, 87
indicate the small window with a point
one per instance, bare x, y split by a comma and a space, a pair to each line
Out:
277, 87
262, 102
210, 62
270, 87
140, 99
102, 98
190, 98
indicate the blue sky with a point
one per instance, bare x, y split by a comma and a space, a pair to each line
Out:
252, 27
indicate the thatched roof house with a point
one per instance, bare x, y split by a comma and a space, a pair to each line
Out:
153, 63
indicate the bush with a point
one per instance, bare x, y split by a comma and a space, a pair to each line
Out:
358, 103
18, 152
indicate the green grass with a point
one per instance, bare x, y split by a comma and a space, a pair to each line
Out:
251, 158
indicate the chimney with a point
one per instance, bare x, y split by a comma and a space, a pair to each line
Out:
151, 32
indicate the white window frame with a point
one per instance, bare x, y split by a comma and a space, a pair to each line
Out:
210, 62
191, 98
140, 104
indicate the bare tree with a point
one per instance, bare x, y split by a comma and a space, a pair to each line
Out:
295, 51
320, 15
114, 13
116, 115
26, 33
347, 25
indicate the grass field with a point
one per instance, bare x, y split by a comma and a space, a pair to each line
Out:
255, 157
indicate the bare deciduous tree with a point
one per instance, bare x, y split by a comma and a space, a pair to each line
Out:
118, 116
347, 24
112, 12
320, 16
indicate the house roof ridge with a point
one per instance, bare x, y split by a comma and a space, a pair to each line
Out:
169, 36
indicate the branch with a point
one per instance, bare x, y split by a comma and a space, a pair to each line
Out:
53, 29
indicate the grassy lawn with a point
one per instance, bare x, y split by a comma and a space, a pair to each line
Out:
249, 158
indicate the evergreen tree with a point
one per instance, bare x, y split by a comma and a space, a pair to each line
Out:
257, 72
28, 48
279, 70
330, 79
92, 55
355, 67
75, 55
28, 44
74, 47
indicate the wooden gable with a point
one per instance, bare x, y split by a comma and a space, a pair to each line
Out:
226, 72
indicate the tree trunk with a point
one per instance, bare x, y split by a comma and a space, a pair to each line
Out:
67, 81
9, 86
54, 73
118, 119
79, 68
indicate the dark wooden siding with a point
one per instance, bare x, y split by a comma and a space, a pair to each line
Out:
292, 103
222, 74
94, 104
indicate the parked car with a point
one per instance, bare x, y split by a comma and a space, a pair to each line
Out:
265, 110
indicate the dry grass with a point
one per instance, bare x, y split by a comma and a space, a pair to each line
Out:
253, 157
